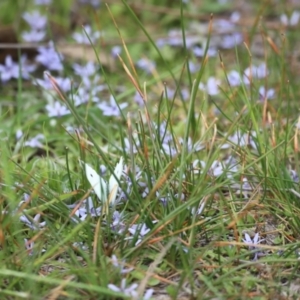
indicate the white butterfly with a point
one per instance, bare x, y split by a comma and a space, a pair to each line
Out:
106, 193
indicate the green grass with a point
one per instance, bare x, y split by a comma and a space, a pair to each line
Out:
184, 254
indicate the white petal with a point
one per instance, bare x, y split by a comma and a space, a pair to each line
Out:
114, 288
256, 238
294, 18
247, 238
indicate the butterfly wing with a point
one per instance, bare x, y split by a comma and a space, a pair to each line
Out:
98, 184
113, 182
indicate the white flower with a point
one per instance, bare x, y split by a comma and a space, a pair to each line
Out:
266, 94
235, 17
111, 108
34, 224
35, 20
254, 242
87, 36
292, 21
119, 265
255, 72
116, 50
146, 65
33, 36
231, 40
243, 139
56, 109
35, 142
140, 229
19, 134
200, 51
234, 78
130, 291
86, 209
211, 87
127, 291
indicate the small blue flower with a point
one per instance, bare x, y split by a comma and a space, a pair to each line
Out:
35, 20
33, 36
111, 108
255, 241
56, 109
43, 2
51, 59
86, 36
9, 69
